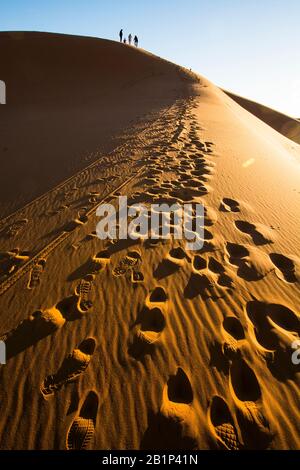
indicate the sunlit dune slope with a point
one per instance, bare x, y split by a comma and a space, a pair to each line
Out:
282, 123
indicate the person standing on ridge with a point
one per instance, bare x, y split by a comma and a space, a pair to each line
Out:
121, 35
129, 39
124, 40
136, 41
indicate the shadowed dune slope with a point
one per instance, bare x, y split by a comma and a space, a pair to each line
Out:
286, 125
65, 96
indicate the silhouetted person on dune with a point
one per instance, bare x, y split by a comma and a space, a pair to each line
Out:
121, 35
136, 41
129, 38
124, 40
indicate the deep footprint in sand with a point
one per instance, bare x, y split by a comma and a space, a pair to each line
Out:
179, 389
158, 295
177, 255
260, 234
36, 273
247, 396
223, 279
252, 263
71, 368
199, 263
152, 324
285, 268
83, 291
127, 263
99, 261
177, 414
82, 429
233, 334
274, 328
222, 425
229, 205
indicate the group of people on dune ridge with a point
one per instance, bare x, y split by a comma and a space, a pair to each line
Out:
124, 40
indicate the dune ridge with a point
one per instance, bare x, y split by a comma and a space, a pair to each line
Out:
286, 125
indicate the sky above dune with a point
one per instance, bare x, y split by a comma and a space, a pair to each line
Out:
250, 47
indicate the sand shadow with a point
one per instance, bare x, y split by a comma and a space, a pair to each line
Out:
218, 359
199, 284
165, 268
29, 332
164, 433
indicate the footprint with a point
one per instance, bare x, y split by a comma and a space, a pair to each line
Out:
73, 365
83, 291
284, 317
158, 295
229, 205
178, 256
266, 333
246, 393
222, 425
236, 251
179, 389
223, 279
99, 261
285, 267
199, 284
15, 228
93, 197
244, 382
35, 274
233, 333
152, 324
126, 264
215, 266
199, 263
35, 327
166, 267
259, 237
82, 429
73, 224
178, 423
274, 329
11, 260
252, 263
136, 276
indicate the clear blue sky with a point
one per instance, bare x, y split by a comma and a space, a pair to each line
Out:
251, 47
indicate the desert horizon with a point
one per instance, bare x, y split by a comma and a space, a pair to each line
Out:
118, 331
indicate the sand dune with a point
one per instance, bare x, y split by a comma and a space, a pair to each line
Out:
286, 125
70, 97
142, 344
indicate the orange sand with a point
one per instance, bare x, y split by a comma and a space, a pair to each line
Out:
133, 344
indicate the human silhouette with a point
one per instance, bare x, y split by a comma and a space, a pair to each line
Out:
124, 40
121, 35
129, 38
136, 41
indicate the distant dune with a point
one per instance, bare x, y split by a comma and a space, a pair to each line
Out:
143, 342
286, 125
